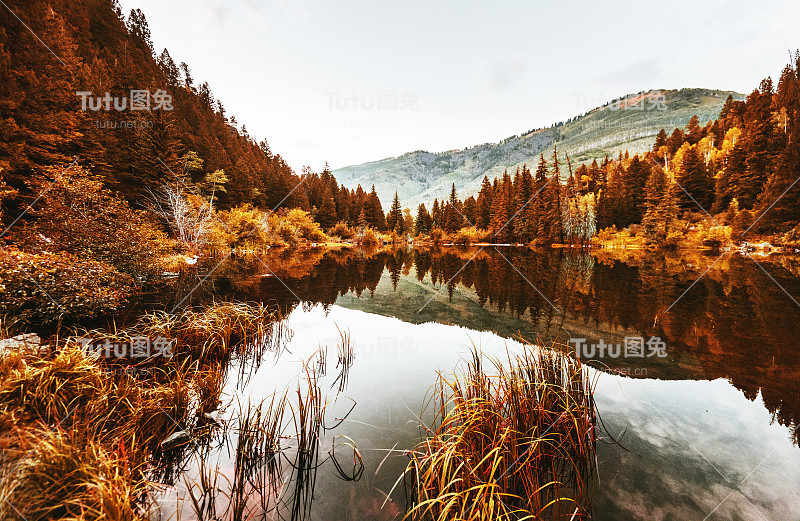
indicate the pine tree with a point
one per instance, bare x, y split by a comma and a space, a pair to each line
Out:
634, 178
471, 210
362, 220
661, 140
484, 210
154, 153
326, 215
169, 68
522, 200
214, 185
452, 215
553, 229
436, 215
374, 211
781, 196
422, 224
661, 205
694, 132
536, 208
503, 199
695, 181
394, 220
757, 138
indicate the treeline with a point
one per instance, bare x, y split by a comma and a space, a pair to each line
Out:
90, 46
741, 169
331, 204
522, 208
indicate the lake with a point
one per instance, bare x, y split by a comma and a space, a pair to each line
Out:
700, 403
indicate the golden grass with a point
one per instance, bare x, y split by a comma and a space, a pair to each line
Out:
80, 442
514, 444
276, 453
65, 476
212, 331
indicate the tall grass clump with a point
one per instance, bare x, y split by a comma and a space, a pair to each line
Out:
513, 443
213, 331
79, 442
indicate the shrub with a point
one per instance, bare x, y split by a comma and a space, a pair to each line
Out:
303, 225
627, 238
468, 235
76, 214
343, 230
717, 236
369, 238
436, 235
47, 287
245, 226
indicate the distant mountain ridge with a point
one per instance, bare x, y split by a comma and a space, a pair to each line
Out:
627, 123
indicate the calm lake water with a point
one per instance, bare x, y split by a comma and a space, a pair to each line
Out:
706, 429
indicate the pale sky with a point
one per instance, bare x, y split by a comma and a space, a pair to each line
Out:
439, 75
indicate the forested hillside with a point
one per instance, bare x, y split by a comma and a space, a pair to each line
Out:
59, 59
740, 170
626, 123
117, 166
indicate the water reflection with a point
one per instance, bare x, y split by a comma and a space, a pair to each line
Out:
720, 317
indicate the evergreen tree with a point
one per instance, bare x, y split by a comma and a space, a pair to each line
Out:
423, 222
452, 214
781, 196
471, 210
394, 220
374, 211
362, 220
536, 208
436, 215
551, 220
631, 205
757, 138
694, 132
523, 229
484, 202
326, 215
661, 205
501, 210
695, 181
661, 140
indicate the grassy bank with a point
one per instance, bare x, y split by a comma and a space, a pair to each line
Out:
85, 436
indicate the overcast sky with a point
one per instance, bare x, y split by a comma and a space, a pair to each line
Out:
355, 81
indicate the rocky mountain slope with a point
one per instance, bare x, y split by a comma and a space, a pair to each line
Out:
629, 123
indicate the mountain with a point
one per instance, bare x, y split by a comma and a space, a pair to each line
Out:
628, 123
